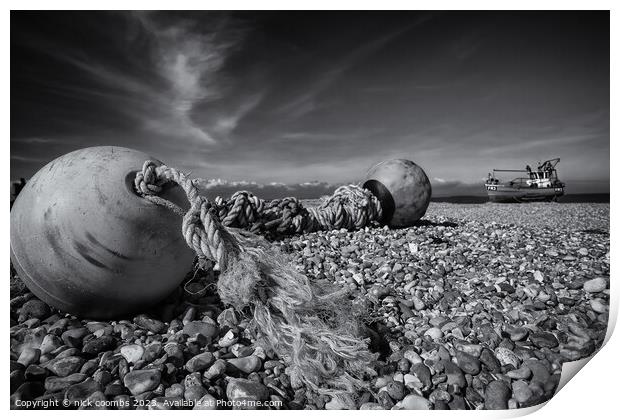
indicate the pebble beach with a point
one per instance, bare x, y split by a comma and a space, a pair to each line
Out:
475, 307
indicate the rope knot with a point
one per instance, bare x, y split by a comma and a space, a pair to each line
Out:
147, 181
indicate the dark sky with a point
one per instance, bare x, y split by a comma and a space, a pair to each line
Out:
274, 97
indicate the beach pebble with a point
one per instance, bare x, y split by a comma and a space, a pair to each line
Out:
414, 402
239, 390
544, 339
521, 391
99, 344
132, 352
595, 285
496, 396
81, 391
65, 366
217, 369
247, 364
56, 383
29, 356
194, 390
522, 373
208, 330
199, 362
434, 333
506, 357
139, 381
599, 306
34, 308
468, 363
150, 324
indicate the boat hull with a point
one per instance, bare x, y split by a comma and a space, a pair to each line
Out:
506, 194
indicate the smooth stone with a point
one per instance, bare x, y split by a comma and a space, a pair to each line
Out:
418, 303
29, 356
200, 362
423, 373
414, 402
113, 390
227, 340
496, 396
469, 348
65, 366
89, 367
454, 374
102, 377
599, 306
152, 352
150, 324
239, 390
205, 329
217, 369
544, 339
74, 336
439, 395
56, 383
66, 352
521, 391
50, 343
82, 390
507, 357
193, 387
540, 373
175, 390
412, 356
468, 363
522, 373
595, 285
34, 308
99, 344
434, 333
132, 352
247, 364
175, 353
396, 390
140, 381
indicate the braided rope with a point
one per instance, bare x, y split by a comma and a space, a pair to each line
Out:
312, 326
351, 207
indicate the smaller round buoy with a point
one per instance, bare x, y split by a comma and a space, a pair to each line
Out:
403, 189
85, 242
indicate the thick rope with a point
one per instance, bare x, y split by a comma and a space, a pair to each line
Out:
351, 207
312, 326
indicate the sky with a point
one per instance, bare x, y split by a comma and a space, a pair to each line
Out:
285, 103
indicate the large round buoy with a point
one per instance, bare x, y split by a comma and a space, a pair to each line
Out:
403, 189
83, 241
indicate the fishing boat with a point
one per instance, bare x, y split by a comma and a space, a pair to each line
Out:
535, 185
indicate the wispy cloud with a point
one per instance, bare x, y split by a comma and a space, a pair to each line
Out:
180, 71
190, 61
